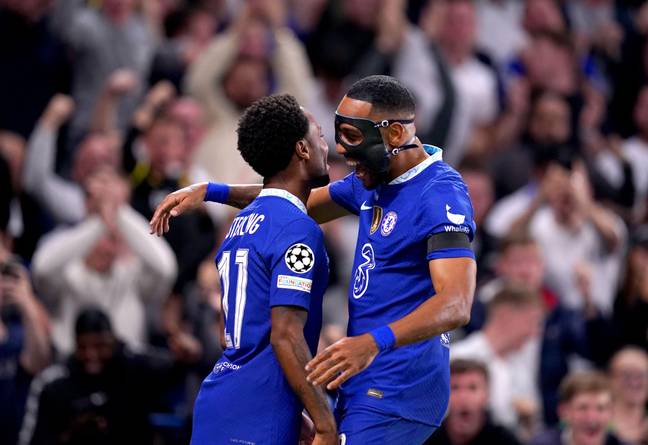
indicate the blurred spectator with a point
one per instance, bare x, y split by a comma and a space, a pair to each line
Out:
102, 41
548, 132
509, 345
634, 151
103, 394
499, 28
25, 224
629, 378
631, 305
192, 321
255, 57
468, 421
585, 410
581, 241
64, 199
454, 31
189, 37
35, 65
166, 168
356, 38
567, 334
482, 195
24, 343
110, 260
543, 15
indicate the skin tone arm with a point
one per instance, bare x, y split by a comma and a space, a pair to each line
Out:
36, 353
320, 205
454, 281
289, 345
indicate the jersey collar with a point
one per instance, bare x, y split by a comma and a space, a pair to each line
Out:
285, 194
436, 154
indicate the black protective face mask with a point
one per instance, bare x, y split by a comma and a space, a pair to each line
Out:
372, 152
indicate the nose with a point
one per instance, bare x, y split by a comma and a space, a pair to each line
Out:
340, 149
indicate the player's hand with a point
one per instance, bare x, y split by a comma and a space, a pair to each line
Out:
342, 360
175, 204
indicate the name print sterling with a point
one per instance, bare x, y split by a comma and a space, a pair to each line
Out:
243, 225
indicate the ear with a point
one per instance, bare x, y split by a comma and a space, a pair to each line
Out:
396, 133
302, 149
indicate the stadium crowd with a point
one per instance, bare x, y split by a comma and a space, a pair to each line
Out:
106, 106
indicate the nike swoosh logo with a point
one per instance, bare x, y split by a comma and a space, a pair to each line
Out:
364, 206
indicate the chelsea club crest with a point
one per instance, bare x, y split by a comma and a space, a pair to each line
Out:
388, 223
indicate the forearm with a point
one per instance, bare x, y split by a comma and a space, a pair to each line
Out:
521, 223
63, 199
439, 314
36, 354
605, 226
104, 115
241, 195
293, 355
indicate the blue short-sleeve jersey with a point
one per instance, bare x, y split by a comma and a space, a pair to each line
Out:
391, 278
272, 255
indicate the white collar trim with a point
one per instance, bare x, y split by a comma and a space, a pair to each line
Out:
414, 171
285, 194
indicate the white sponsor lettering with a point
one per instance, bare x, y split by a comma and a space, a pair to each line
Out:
461, 229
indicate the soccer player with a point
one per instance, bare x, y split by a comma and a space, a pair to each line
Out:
414, 269
274, 271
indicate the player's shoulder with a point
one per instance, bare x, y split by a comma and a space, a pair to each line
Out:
443, 180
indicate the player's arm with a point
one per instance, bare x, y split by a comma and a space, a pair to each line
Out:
321, 206
454, 281
289, 344
192, 197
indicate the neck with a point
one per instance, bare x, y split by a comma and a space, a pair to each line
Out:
296, 186
406, 160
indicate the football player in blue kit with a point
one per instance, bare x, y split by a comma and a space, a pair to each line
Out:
273, 269
414, 269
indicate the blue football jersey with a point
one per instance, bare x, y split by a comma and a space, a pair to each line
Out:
391, 279
273, 255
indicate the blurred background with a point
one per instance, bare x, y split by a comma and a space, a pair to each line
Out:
108, 105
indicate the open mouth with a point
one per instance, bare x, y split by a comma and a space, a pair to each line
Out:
360, 170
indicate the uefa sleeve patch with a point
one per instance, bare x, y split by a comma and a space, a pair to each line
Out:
299, 258
294, 283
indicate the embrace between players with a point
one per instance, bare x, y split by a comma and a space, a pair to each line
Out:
413, 277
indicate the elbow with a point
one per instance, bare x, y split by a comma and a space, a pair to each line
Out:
462, 311
462, 318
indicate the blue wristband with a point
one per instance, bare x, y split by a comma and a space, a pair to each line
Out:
217, 192
384, 337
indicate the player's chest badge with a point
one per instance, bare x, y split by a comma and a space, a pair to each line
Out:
375, 219
388, 223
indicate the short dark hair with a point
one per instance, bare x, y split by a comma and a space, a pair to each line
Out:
268, 132
385, 93
464, 365
515, 238
92, 320
582, 383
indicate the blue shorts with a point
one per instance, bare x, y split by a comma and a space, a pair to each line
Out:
366, 426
